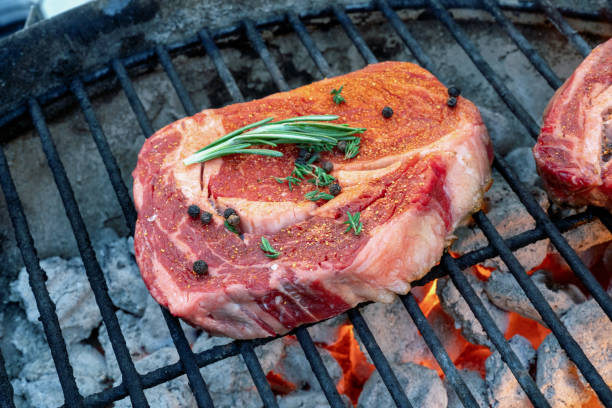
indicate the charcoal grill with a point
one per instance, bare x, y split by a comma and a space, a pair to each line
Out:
189, 363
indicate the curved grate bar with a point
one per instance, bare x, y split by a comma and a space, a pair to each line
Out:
132, 97
92, 267
6, 389
317, 366
259, 378
495, 335
524, 45
559, 22
166, 62
379, 359
224, 73
263, 52
37, 278
309, 44
353, 34
571, 347
437, 349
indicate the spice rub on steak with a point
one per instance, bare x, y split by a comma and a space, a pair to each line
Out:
574, 150
418, 175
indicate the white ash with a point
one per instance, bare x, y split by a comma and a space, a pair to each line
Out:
295, 367
132, 335
228, 380
395, 332
502, 388
523, 164
504, 291
69, 289
559, 379
327, 331
455, 305
422, 386
308, 399
586, 236
509, 216
121, 272
474, 383
502, 131
171, 394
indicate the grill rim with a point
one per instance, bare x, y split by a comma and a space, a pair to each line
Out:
545, 227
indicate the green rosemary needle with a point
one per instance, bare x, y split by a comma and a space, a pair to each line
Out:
353, 223
313, 132
267, 248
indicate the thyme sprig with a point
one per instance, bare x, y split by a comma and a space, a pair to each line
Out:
267, 248
300, 171
313, 132
353, 223
352, 148
317, 195
338, 98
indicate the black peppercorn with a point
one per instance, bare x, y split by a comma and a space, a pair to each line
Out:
193, 211
233, 220
200, 267
452, 102
387, 112
228, 212
327, 166
341, 145
300, 160
205, 217
454, 91
304, 154
335, 189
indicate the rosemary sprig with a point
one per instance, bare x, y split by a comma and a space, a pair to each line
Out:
353, 223
321, 177
310, 131
352, 148
317, 195
231, 228
338, 98
267, 248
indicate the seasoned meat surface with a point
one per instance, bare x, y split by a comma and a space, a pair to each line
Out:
418, 175
574, 150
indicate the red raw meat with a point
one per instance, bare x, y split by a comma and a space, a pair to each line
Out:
574, 149
418, 175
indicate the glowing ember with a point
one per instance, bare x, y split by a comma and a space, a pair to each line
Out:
355, 367
279, 385
483, 272
529, 329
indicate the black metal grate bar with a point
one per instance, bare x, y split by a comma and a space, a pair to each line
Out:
327, 384
495, 335
494, 79
534, 57
571, 347
379, 359
110, 163
92, 267
6, 389
309, 44
353, 34
263, 52
559, 22
132, 97
437, 349
224, 73
401, 30
166, 62
527, 199
37, 278
259, 378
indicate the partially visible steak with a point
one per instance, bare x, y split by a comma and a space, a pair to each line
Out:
574, 151
417, 176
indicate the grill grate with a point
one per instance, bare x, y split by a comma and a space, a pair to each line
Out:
189, 362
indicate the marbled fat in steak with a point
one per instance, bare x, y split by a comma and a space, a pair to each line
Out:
417, 176
574, 150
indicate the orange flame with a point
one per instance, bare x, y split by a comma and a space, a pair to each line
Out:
483, 272
431, 299
280, 385
355, 367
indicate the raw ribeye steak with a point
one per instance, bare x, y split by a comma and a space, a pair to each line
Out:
418, 175
574, 150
